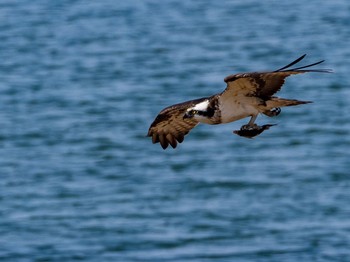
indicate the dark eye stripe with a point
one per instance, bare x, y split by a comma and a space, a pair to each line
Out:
208, 113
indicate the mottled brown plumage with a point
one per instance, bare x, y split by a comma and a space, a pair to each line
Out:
264, 84
169, 127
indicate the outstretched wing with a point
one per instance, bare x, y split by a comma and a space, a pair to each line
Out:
264, 84
170, 127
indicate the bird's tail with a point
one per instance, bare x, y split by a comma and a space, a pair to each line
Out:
275, 102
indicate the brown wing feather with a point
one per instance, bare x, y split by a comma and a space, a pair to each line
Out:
265, 84
169, 127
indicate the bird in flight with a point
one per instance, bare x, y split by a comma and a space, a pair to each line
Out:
246, 95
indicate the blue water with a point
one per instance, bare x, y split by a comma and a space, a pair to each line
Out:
81, 81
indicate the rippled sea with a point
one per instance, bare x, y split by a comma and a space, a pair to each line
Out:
81, 81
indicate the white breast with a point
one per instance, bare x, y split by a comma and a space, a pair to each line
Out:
236, 108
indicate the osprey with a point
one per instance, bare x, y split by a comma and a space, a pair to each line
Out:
246, 95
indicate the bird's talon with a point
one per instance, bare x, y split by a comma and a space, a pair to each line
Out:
276, 111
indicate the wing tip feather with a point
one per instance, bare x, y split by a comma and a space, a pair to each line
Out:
166, 139
299, 69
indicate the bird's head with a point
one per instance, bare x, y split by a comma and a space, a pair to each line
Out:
198, 111
190, 113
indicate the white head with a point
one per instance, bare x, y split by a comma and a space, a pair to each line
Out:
199, 112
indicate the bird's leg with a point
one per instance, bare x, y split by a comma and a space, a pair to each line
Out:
252, 120
250, 124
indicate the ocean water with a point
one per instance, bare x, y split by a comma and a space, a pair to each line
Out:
81, 81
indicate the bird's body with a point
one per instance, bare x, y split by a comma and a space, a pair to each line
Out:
235, 108
246, 95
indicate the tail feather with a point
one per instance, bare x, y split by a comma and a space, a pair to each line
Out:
281, 102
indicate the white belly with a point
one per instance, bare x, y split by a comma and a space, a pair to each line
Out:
233, 110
